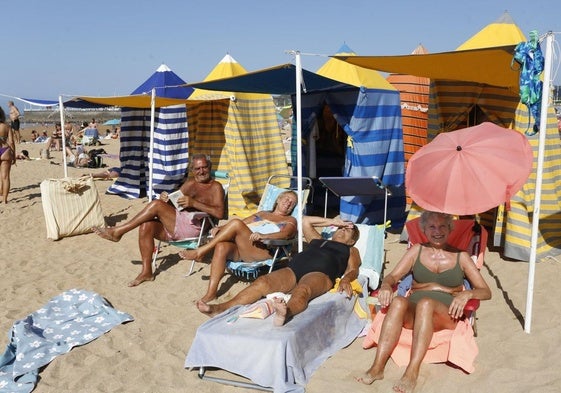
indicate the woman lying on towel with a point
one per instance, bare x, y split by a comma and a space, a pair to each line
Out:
240, 240
309, 274
436, 301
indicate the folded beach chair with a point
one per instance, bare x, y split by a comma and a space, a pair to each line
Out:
207, 223
456, 346
276, 184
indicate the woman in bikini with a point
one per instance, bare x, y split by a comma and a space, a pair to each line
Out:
7, 156
436, 302
241, 240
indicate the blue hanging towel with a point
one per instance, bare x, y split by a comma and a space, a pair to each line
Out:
530, 58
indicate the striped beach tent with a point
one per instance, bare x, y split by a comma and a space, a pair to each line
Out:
414, 94
370, 116
241, 134
455, 105
170, 139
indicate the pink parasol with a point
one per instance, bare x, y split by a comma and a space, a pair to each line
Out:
469, 171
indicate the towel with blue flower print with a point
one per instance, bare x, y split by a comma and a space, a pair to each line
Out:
72, 318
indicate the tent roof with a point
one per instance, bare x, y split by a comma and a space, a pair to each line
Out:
142, 101
280, 79
489, 65
352, 74
167, 83
484, 58
227, 67
501, 32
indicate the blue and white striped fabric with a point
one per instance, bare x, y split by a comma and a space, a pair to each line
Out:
170, 151
372, 120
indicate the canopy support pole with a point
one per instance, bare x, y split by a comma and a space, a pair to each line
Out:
539, 172
299, 145
151, 156
61, 107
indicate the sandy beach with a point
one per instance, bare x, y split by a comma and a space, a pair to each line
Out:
147, 355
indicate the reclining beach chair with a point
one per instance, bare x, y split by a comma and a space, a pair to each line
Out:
207, 223
456, 346
276, 184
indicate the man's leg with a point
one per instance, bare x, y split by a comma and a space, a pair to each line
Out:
282, 280
156, 209
147, 232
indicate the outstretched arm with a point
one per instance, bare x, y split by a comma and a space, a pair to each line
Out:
310, 223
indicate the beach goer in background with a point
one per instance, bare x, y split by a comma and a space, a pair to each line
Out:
14, 121
34, 136
309, 274
161, 220
24, 155
436, 302
7, 156
111, 173
240, 240
56, 138
44, 137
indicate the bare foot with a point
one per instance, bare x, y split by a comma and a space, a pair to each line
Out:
405, 385
208, 309
368, 378
140, 279
190, 255
106, 233
280, 311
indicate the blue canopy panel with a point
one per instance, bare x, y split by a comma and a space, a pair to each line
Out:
170, 151
375, 148
372, 120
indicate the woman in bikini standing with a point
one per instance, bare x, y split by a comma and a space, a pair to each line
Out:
7, 155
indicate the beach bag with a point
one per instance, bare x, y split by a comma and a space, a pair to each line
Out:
71, 206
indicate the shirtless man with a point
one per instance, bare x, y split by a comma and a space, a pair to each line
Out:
161, 220
14, 121
7, 156
309, 274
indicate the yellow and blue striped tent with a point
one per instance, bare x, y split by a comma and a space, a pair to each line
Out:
241, 134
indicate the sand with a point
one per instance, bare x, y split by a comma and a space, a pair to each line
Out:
147, 355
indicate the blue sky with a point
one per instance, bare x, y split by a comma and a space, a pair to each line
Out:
110, 47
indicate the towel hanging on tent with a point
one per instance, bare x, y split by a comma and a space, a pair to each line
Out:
530, 57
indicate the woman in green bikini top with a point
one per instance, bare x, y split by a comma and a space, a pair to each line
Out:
436, 301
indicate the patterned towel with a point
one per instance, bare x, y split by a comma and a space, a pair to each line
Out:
72, 318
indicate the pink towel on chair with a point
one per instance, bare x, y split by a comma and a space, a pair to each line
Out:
456, 346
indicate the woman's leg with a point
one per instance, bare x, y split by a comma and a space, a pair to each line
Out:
5, 166
282, 280
235, 231
223, 252
155, 210
399, 312
430, 316
310, 286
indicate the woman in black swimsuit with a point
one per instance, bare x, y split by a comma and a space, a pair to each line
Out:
436, 302
309, 274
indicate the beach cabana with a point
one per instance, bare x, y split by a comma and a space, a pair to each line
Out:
368, 120
282, 80
477, 83
168, 141
241, 134
414, 95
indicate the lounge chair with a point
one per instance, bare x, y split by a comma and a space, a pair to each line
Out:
276, 184
282, 359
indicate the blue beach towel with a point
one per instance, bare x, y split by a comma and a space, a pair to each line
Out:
72, 318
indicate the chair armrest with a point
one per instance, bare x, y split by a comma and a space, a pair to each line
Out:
277, 242
471, 305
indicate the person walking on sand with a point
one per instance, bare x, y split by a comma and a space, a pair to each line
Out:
14, 121
161, 220
7, 156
